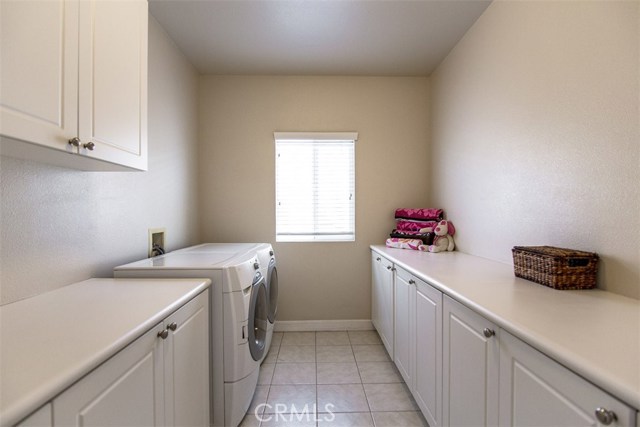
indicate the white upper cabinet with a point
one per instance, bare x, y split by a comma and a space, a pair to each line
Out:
39, 80
74, 79
113, 81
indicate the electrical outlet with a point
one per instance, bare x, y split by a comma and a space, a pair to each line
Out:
157, 241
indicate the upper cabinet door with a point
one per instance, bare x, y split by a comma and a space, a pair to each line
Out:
113, 81
39, 72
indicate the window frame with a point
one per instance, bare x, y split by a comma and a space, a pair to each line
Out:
317, 137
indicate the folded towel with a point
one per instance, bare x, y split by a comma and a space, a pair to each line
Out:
404, 226
398, 243
427, 238
425, 214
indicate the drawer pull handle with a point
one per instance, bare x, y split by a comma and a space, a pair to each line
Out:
163, 334
605, 416
488, 332
173, 326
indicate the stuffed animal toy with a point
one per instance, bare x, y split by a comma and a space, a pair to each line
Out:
443, 241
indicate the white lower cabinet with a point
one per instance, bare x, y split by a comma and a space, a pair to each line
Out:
428, 352
160, 379
40, 418
464, 371
418, 342
382, 294
186, 365
470, 367
404, 326
537, 391
124, 391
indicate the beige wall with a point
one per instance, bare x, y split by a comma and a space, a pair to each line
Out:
238, 116
535, 133
60, 226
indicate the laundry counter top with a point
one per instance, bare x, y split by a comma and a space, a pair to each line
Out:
592, 332
50, 341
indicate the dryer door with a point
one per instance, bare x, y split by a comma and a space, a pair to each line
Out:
258, 318
272, 288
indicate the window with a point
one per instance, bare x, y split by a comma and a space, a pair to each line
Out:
315, 186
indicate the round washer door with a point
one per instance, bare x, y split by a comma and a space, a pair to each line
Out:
258, 318
273, 291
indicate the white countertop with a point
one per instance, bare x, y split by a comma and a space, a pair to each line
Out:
592, 332
50, 341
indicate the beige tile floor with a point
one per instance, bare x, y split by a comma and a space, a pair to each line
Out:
330, 379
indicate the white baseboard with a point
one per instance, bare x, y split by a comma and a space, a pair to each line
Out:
322, 325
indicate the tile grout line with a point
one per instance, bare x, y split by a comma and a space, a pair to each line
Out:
316, 363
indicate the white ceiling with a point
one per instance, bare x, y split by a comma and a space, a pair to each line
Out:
317, 37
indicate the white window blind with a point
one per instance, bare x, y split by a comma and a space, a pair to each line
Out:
315, 186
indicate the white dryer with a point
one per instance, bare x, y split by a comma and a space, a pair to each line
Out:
267, 259
238, 315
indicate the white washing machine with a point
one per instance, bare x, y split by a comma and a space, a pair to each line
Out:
238, 316
266, 257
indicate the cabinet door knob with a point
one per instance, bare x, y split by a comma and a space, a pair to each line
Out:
378, 259
412, 282
75, 141
173, 326
488, 332
605, 416
393, 269
388, 267
89, 146
163, 334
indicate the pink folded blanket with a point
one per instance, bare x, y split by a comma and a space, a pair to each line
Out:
414, 226
425, 214
414, 244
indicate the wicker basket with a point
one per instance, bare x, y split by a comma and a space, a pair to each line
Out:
556, 267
